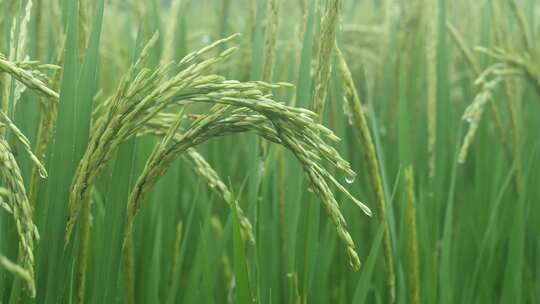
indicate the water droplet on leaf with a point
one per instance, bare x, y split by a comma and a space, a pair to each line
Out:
350, 179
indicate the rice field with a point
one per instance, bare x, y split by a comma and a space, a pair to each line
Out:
269, 151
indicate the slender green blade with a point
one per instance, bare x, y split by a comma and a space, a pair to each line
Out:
243, 290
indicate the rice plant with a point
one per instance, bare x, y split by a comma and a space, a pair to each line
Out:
269, 151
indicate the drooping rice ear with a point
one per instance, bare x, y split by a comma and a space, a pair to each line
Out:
22, 214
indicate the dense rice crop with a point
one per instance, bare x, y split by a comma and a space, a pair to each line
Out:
269, 151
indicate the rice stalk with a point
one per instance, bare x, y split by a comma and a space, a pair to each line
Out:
431, 66
22, 48
412, 240
522, 23
223, 20
2, 22
46, 128
465, 51
502, 37
129, 270
327, 38
282, 199
5, 90
84, 251
55, 20
84, 28
252, 17
302, 27
475, 69
247, 46
228, 273
370, 155
272, 23
176, 256
474, 66
473, 113
177, 10
21, 211
508, 67
40, 29
510, 150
